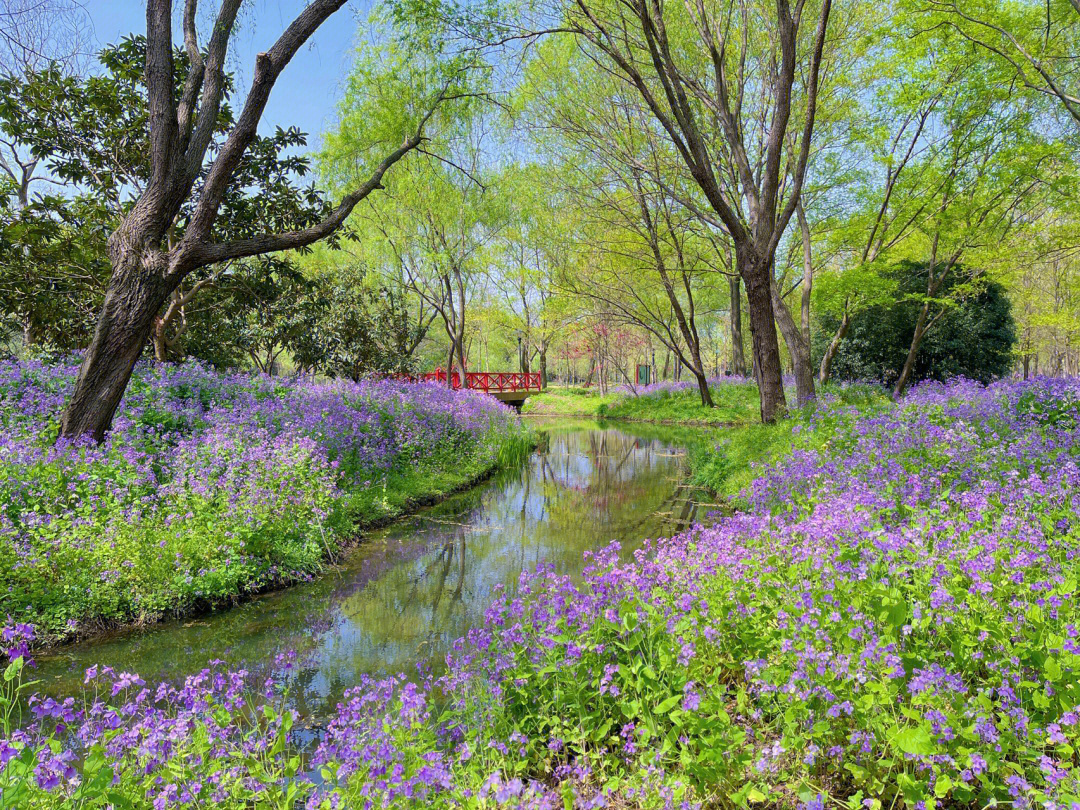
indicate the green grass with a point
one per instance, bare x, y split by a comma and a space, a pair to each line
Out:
736, 403
729, 460
406, 489
724, 459
568, 402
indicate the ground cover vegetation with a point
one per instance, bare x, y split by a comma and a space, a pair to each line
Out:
888, 621
212, 485
735, 400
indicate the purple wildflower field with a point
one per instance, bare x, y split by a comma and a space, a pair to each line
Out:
889, 621
209, 486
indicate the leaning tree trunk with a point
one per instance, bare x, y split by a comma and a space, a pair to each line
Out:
834, 347
127, 315
766, 346
698, 370
161, 343
738, 359
798, 348
909, 362
703, 389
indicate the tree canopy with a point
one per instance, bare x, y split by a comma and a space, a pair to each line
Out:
574, 188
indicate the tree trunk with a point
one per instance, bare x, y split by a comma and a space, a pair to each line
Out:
703, 389
161, 344
698, 370
766, 346
461, 357
132, 300
738, 359
798, 348
31, 333
797, 335
834, 347
909, 362
543, 364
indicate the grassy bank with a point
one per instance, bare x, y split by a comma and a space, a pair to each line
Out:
727, 457
727, 461
214, 486
888, 622
667, 403
573, 401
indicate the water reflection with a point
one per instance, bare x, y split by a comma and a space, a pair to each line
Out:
410, 590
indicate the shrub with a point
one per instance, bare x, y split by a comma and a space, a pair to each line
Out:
974, 338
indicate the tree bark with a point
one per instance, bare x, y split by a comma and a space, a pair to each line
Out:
923, 324
798, 348
755, 272
834, 346
703, 389
916, 341
797, 336
161, 344
738, 358
131, 302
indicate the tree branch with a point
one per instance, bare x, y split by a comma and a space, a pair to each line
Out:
210, 253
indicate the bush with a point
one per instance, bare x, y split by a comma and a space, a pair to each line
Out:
974, 339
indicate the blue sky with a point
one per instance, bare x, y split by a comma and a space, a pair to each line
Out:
307, 91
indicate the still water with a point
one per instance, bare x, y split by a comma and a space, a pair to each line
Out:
408, 591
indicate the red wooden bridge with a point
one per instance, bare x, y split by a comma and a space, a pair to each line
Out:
510, 387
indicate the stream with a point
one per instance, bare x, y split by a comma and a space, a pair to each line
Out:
408, 591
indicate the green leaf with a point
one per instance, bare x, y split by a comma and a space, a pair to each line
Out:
942, 786
1052, 669
668, 704
13, 669
915, 741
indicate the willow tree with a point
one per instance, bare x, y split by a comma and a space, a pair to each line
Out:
734, 87
532, 250
167, 233
647, 263
1038, 41
434, 226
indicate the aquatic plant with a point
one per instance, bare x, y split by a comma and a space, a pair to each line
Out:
891, 622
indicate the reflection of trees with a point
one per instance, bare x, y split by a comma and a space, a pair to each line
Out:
409, 591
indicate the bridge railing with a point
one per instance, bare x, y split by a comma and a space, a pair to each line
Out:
491, 382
